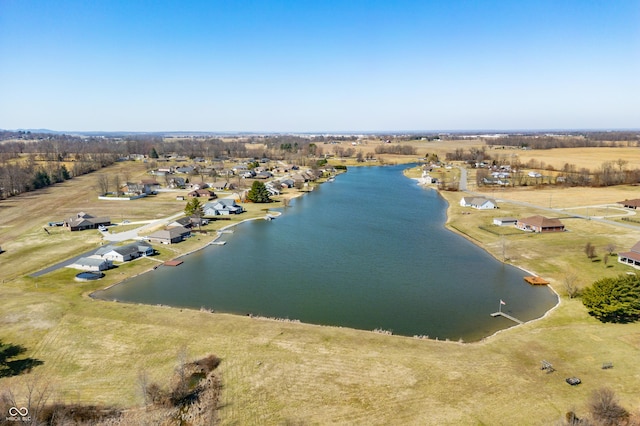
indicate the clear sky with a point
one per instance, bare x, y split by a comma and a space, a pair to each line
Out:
319, 65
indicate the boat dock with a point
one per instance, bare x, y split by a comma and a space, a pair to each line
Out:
536, 281
502, 314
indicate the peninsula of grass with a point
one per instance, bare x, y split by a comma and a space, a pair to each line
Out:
276, 372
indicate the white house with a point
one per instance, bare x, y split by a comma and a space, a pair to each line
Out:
222, 207
479, 203
505, 221
91, 263
125, 253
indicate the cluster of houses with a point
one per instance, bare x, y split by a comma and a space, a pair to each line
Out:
535, 223
104, 257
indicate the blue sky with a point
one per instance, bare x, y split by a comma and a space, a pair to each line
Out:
319, 66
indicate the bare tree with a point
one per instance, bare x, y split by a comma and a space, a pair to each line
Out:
102, 182
590, 250
605, 409
570, 283
610, 248
117, 182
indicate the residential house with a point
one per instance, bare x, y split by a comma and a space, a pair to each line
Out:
632, 257
222, 186
125, 253
630, 204
176, 182
197, 185
202, 193
286, 183
169, 235
91, 263
505, 221
189, 222
84, 221
186, 170
540, 224
152, 183
137, 188
479, 203
222, 207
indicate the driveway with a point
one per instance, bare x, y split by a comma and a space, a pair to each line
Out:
115, 237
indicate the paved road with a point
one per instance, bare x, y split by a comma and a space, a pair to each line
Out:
116, 237
463, 188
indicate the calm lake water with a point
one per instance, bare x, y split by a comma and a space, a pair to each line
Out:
367, 251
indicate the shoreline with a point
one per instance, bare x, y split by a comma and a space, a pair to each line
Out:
92, 294
420, 182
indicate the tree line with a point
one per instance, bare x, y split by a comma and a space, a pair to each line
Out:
596, 139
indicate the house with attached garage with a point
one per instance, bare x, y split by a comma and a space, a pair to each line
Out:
83, 221
91, 263
202, 193
479, 203
540, 224
169, 235
125, 253
505, 221
222, 207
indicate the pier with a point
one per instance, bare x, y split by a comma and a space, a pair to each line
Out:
502, 314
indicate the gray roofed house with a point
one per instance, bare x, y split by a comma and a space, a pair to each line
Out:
170, 235
504, 221
222, 207
126, 252
480, 203
84, 221
91, 264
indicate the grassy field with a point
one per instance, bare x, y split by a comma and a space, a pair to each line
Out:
277, 372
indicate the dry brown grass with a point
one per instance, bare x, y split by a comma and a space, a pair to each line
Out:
277, 372
591, 158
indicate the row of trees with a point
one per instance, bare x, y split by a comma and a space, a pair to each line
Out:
613, 139
17, 177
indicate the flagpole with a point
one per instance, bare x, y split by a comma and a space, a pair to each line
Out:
500, 306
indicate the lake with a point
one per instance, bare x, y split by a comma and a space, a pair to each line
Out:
368, 251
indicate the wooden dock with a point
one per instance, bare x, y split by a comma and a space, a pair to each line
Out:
502, 314
536, 281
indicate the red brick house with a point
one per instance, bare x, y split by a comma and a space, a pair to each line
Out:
540, 224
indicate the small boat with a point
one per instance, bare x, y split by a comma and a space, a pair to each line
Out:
331, 179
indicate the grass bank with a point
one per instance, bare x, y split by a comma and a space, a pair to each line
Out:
277, 372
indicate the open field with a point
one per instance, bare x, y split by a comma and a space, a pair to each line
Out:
591, 158
278, 372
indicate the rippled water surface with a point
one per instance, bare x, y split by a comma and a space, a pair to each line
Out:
367, 251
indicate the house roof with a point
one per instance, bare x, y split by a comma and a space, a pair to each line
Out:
633, 255
636, 248
632, 203
506, 219
541, 222
170, 233
89, 261
478, 201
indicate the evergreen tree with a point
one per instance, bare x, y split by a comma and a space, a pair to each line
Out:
614, 299
194, 208
153, 153
258, 193
41, 179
